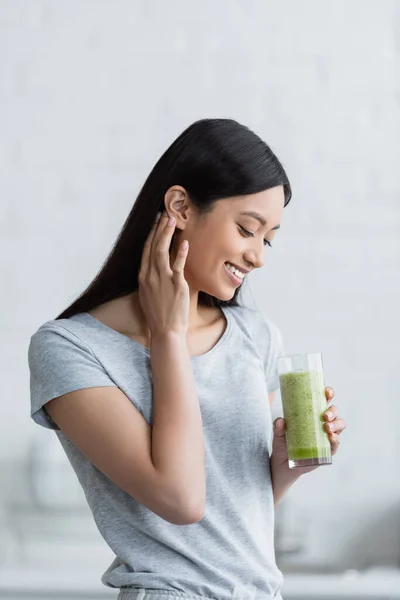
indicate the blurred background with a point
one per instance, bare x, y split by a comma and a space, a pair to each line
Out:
91, 94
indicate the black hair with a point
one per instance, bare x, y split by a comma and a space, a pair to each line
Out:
212, 159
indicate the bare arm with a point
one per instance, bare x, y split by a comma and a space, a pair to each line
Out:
177, 440
282, 477
110, 431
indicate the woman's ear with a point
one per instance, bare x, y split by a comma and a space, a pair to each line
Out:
178, 205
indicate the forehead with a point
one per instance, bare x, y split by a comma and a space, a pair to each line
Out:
268, 203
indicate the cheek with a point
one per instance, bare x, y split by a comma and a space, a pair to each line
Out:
204, 259
209, 251
211, 246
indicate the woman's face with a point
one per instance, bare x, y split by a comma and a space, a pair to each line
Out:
227, 238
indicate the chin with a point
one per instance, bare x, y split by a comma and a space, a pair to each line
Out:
228, 295
223, 294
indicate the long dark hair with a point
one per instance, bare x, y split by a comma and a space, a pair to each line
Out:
212, 159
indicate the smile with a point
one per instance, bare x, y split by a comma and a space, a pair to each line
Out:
237, 280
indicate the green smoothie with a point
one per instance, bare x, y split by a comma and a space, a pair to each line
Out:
304, 402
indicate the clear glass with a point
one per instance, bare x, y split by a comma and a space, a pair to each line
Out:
304, 403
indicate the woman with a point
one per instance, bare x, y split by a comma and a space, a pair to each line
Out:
156, 379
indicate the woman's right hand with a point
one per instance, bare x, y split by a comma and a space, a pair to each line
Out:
164, 292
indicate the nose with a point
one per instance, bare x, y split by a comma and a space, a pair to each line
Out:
255, 257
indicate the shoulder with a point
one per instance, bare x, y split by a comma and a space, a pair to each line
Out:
262, 329
265, 337
60, 361
57, 337
56, 328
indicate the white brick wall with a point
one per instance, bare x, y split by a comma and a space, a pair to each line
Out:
92, 92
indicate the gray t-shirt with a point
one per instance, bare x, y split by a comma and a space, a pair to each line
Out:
229, 554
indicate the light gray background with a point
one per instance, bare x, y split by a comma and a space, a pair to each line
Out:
91, 94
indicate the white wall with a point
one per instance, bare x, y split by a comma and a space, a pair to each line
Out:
92, 92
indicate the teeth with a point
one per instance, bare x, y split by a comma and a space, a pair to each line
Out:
235, 271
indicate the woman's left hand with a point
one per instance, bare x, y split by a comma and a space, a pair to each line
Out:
334, 426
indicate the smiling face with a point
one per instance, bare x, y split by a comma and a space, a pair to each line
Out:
225, 238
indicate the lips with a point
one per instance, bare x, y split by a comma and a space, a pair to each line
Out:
241, 269
233, 278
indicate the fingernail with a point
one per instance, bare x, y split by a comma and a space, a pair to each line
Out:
329, 415
171, 221
158, 217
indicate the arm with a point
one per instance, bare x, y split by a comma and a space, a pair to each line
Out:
177, 430
282, 477
162, 466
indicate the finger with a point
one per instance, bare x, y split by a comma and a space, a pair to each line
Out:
160, 228
279, 427
336, 426
162, 243
145, 260
335, 443
179, 265
329, 393
331, 414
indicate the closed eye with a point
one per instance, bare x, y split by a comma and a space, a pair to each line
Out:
250, 234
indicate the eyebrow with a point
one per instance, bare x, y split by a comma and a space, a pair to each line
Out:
255, 215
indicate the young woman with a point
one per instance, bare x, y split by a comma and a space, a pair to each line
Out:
157, 380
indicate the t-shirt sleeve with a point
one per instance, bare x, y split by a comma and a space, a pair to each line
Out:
60, 362
271, 344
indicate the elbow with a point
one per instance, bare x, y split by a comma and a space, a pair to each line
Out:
189, 514
180, 506
188, 518
190, 511
195, 516
189, 503
178, 516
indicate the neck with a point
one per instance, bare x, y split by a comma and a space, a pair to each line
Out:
136, 319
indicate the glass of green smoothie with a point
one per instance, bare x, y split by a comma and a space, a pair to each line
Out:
304, 403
